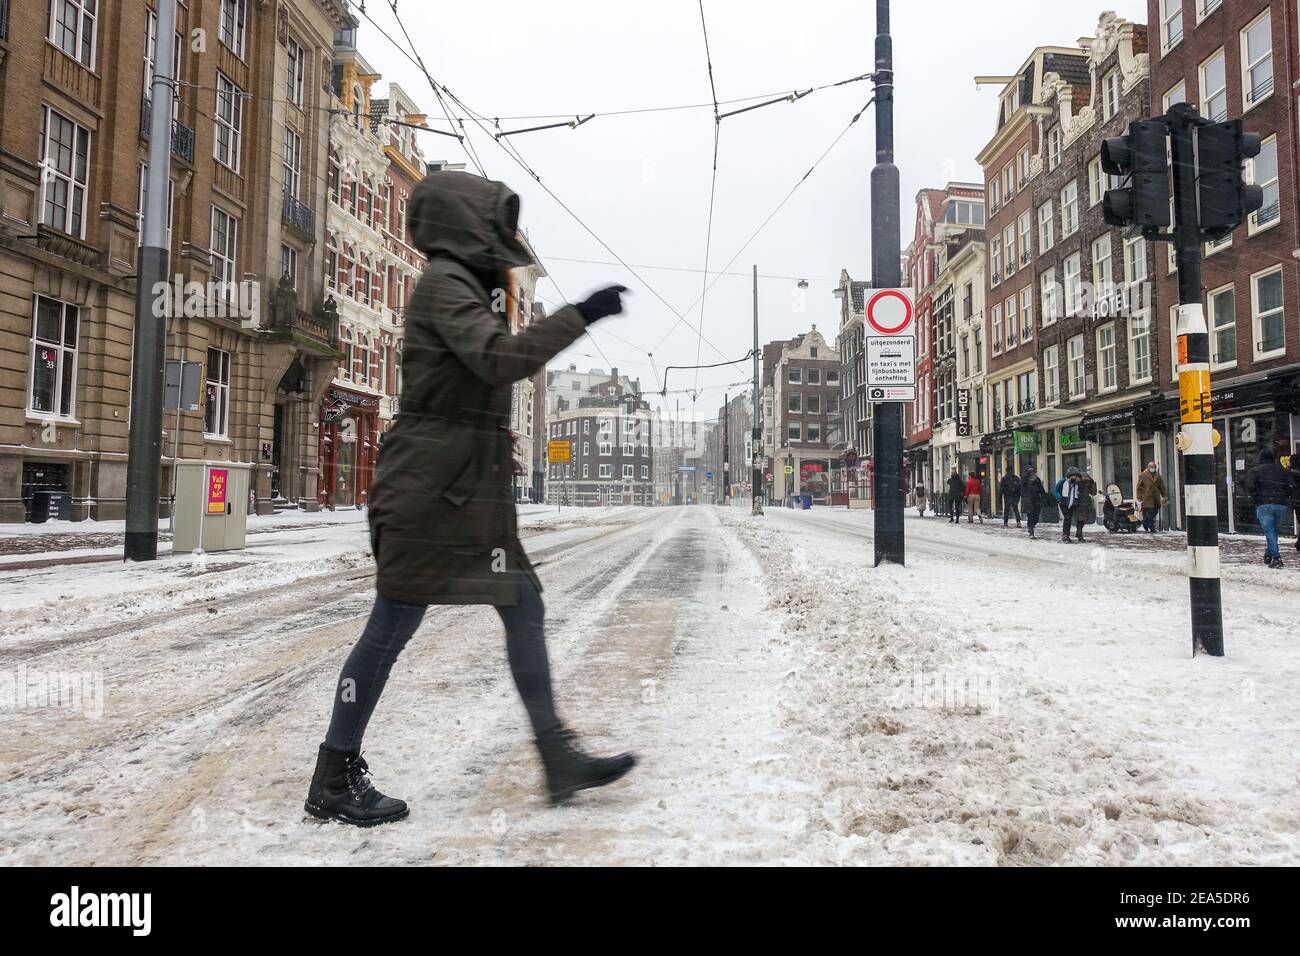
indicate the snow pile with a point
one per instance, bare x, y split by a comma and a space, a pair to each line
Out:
963, 711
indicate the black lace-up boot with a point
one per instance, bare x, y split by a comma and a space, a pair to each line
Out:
341, 790
569, 768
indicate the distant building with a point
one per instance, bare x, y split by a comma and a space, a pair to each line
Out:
611, 439
803, 375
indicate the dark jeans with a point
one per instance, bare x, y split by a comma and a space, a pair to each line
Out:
392, 624
1067, 519
1032, 514
1010, 506
1149, 518
954, 514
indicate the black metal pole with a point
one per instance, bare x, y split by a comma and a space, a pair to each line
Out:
886, 273
1196, 437
756, 476
152, 298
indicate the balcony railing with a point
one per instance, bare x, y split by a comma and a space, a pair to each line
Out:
1260, 90
298, 215
182, 135
1026, 405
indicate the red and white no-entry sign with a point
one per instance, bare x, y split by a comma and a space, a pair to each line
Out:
889, 311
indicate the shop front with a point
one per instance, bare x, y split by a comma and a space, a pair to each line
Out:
349, 428
1126, 440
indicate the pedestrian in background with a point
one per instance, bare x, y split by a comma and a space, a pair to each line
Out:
1085, 507
920, 499
1066, 494
956, 491
1010, 488
1032, 492
1294, 469
1272, 488
1151, 495
442, 516
974, 488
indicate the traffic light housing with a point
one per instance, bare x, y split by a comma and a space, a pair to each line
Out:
1140, 156
1223, 199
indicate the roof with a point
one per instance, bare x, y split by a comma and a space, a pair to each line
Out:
858, 289
1069, 67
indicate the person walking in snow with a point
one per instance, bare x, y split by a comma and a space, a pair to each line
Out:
1066, 494
1010, 487
1085, 508
442, 517
1151, 495
1032, 492
920, 499
973, 489
1272, 489
956, 491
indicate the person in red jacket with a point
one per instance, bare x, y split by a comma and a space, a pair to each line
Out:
973, 490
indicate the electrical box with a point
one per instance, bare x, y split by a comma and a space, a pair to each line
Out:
211, 505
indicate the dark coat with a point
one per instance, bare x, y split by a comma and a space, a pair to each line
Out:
1085, 509
442, 516
956, 486
1011, 486
1032, 491
1268, 483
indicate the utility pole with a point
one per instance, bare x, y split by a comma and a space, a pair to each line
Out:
144, 443
756, 477
726, 448
886, 273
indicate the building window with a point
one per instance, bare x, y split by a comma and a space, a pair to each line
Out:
72, 29
1214, 88
1262, 171
1009, 245
1013, 330
1139, 348
292, 162
1054, 143
1025, 239
1171, 23
792, 431
814, 432
1110, 94
814, 376
995, 261
229, 122
1046, 238
65, 171
794, 403
1107, 367
645, 471
814, 404
1072, 268
1026, 313
296, 71
995, 321
606, 449
628, 471
1024, 166
1266, 302
832, 377
1076, 367
231, 31
586, 471
795, 376
225, 230
1070, 208
1051, 374
1257, 61
1102, 277
1223, 327
1135, 260
606, 471
1049, 295
216, 406
289, 264
54, 358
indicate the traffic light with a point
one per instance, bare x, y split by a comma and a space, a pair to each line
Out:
1141, 156
1223, 200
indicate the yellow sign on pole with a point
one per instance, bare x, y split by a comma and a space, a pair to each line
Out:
559, 452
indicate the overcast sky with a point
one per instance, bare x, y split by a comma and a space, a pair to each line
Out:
641, 181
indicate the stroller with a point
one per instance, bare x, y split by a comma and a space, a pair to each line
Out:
1119, 514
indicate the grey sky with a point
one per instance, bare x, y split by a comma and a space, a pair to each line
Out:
641, 182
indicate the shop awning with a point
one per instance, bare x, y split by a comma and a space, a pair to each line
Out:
1143, 414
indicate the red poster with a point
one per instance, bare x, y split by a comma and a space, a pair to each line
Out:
217, 491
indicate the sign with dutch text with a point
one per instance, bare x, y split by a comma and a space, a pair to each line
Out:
217, 491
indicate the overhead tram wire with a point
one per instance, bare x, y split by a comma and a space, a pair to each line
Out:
713, 188
779, 206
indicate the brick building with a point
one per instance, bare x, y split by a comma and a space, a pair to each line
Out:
1239, 59
853, 481
1089, 402
242, 213
803, 375
611, 437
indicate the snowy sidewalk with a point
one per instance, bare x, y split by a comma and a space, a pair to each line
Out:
1001, 701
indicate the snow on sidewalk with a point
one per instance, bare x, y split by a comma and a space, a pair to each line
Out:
1015, 702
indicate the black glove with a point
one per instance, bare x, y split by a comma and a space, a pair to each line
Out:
601, 303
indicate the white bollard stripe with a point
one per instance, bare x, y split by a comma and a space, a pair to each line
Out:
1205, 562
1201, 500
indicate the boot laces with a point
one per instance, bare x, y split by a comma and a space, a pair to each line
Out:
357, 776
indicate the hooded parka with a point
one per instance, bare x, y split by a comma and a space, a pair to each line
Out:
442, 514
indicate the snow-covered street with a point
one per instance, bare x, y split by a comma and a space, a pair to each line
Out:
997, 701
